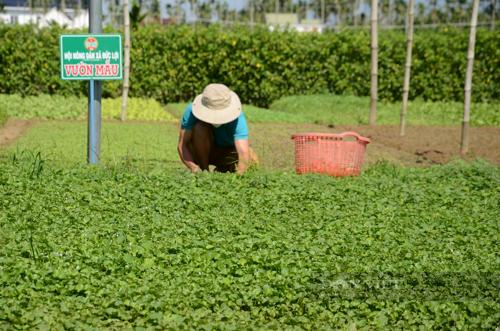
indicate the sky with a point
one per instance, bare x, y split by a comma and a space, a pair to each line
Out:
240, 4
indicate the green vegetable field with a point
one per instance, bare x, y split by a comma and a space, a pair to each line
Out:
136, 241
117, 247
139, 243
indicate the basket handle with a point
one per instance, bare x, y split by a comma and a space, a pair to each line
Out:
356, 135
318, 136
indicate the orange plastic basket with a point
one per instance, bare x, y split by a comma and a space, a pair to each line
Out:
333, 154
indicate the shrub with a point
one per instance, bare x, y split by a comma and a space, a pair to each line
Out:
173, 64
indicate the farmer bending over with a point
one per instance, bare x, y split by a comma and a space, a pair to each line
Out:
214, 131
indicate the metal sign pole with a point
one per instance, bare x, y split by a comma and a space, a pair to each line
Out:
93, 152
95, 91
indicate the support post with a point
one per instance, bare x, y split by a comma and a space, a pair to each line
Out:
374, 63
95, 91
406, 81
464, 143
93, 150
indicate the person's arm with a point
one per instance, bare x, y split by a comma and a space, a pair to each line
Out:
242, 147
184, 152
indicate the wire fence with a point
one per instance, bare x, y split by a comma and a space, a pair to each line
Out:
345, 26
332, 27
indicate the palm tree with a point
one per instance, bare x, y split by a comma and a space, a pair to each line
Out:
338, 12
193, 4
421, 13
175, 12
112, 15
251, 12
135, 15
222, 10
401, 10
354, 11
178, 10
390, 12
205, 11
434, 15
155, 10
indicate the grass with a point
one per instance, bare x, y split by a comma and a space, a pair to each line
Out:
352, 110
252, 113
154, 144
308, 109
148, 145
65, 143
345, 110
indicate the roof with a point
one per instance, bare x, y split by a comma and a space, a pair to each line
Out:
281, 19
14, 3
55, 16
51, 3
312, 22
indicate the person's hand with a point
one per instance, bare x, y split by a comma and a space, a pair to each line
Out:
195, 169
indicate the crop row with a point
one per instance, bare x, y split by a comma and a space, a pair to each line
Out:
120, 248
57, 107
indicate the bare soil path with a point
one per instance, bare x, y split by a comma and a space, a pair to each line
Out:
13, 129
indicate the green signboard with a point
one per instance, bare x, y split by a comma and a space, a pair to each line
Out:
93, 56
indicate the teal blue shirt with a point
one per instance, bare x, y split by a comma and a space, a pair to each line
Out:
226, 134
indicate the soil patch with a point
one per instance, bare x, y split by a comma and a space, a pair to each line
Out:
13, 129
430, 145
421, 146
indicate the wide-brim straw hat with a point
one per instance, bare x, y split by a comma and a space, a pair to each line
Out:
217, 105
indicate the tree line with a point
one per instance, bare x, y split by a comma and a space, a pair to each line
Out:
340, 13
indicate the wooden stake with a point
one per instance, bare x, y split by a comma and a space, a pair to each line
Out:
406, 82
464, 145
374, 64
126, 60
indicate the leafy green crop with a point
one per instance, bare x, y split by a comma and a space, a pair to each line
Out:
253, 114
339, 110
118, 248
137, 109
60, 107
353, 110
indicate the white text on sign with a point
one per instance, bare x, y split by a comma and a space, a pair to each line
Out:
88, 70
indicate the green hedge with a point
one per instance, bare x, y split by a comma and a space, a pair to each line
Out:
175, 63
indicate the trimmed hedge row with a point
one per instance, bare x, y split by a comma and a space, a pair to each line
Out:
175, 63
